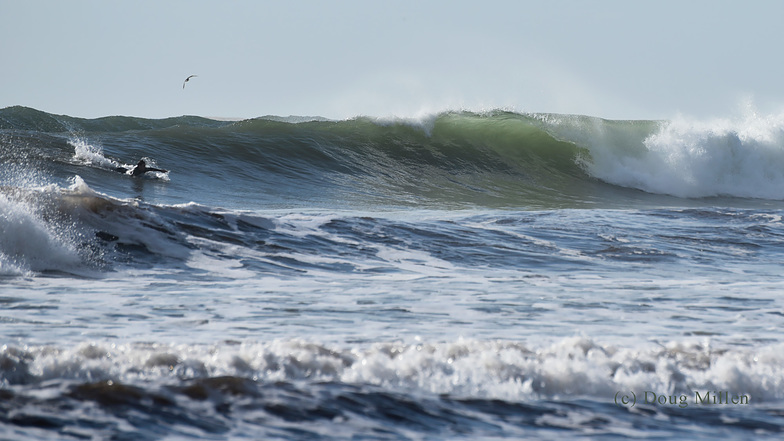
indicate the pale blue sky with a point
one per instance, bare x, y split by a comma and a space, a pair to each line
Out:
338, 59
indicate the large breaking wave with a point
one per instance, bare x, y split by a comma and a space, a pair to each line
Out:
496, 158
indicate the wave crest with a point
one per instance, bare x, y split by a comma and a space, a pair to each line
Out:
496, 158
692, 159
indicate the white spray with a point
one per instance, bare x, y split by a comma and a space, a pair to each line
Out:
741, 157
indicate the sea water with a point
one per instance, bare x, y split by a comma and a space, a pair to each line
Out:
461, 276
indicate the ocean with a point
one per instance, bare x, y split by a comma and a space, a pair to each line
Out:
462, 275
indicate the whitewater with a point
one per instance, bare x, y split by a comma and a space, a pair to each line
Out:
464, 275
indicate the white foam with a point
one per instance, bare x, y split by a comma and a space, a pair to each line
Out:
741, 157
570, 367
28, 243
86, 153
79, 187
303, 225
424, 120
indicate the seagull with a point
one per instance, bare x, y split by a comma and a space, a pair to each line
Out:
187, 79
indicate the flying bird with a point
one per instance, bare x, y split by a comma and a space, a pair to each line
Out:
188, 79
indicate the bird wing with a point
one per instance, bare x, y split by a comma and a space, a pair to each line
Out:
187, 79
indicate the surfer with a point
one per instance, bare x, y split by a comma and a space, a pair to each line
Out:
140, 169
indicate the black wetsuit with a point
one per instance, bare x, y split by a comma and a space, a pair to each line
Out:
140, 169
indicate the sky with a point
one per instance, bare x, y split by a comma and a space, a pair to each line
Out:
339, 59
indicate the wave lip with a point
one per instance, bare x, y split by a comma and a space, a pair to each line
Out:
29, 243
741, 158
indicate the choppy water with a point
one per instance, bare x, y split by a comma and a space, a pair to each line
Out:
463, 276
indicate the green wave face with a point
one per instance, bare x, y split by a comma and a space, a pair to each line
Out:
452, 159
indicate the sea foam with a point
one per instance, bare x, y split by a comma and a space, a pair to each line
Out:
28, 243
37, 233
742, 157
507, 370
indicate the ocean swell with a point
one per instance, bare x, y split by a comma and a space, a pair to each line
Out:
451, 159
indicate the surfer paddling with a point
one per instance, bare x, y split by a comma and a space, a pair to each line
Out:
188, 79
140, 169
